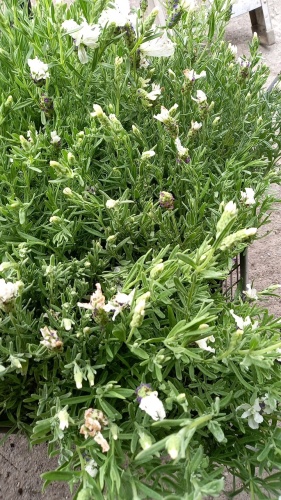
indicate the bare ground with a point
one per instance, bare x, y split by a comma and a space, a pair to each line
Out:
21, 467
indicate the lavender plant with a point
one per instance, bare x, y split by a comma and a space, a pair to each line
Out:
135, 164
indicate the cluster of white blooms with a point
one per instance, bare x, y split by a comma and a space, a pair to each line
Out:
55, 138
118, 302
243, 62
97, 300
248, 196
94, 422
115, 305
51, 339
38, 69
8, 292
117, 13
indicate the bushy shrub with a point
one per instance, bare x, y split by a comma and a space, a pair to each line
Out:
135, 163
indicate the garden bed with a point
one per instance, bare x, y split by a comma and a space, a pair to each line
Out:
135, 167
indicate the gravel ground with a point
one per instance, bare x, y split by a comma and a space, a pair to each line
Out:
20, 466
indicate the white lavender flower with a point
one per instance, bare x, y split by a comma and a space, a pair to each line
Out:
63, 419
232, 48
67, 323
182, 151
200, 97
92, 468
97, 300
268, 404
67, 191
8, 292
173, 446
118, 14
191, 75
84, 35
158, 47
153, 406
38, 69
195, 126
202, 343
154, 93
55, 138
98, 111
147, 154
250, 293
165, 114
111, 203
78, 376
139, 310
248, 196
95, 420
51, 339
118, 303
244, 63
252, 413
240, 322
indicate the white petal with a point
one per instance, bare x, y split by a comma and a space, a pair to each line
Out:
258, 418
256, 405
85, 305
246, 414
82, 54
252, 423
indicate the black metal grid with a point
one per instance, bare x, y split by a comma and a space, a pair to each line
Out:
237, 279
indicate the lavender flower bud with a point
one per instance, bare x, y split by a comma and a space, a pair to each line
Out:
166, 200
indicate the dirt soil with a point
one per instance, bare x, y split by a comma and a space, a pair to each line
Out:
20, 466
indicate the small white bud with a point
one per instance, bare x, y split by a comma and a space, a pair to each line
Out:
111, 203
67, 191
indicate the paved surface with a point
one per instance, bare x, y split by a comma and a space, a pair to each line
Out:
20, 467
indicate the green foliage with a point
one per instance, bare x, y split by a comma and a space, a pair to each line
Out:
116, 201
